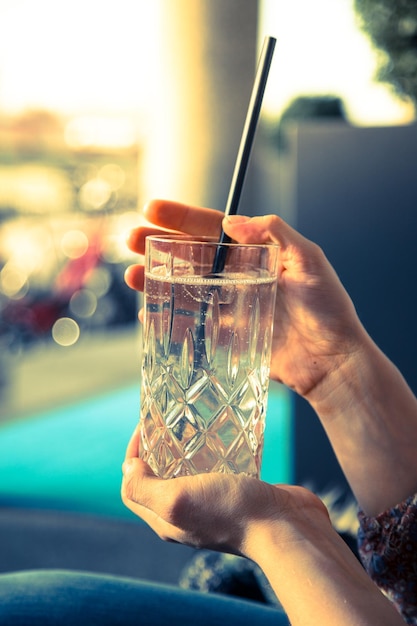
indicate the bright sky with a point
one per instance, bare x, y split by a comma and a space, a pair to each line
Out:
76, 55
321, 50
80, 56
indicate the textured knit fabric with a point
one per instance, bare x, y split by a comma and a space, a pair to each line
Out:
388, 549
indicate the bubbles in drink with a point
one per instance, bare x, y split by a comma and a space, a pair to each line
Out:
203, 400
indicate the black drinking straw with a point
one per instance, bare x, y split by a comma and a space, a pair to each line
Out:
246, 143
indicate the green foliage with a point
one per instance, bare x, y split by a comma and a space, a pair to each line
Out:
392, 27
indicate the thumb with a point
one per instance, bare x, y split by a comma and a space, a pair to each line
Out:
135, 473
248, 230
265, 229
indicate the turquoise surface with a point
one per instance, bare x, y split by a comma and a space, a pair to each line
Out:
69, 458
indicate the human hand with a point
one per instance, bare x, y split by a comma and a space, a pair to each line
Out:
316, 328
223, 512
286, 530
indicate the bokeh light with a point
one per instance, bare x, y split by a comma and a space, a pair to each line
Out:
113, 175
26, 244
115, 247
99, 281
65, 332
83, 303
13, 281
74, 244
94, 194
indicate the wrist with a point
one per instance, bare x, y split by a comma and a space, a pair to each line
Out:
294, 515
348, 381
314, 574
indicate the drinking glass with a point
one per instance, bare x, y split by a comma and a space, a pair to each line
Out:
207, 339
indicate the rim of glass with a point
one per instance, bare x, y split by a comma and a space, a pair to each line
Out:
209, 240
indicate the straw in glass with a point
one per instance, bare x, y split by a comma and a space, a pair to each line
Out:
246, 143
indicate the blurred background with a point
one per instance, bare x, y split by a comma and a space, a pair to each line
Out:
105, 105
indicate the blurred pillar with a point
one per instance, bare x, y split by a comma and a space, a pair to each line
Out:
207, 59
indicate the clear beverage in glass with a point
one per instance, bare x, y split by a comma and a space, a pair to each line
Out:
206, 356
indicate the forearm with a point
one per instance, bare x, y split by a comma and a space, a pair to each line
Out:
319, 581
370, 416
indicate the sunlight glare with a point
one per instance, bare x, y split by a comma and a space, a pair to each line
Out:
76, 56
99, 130
321, 51
27, 248
80, 58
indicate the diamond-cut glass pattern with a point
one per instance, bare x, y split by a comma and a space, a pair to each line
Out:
205, 376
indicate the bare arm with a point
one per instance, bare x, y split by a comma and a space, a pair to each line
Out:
370, 416
318, 580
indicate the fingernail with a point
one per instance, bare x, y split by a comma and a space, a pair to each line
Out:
236, 219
